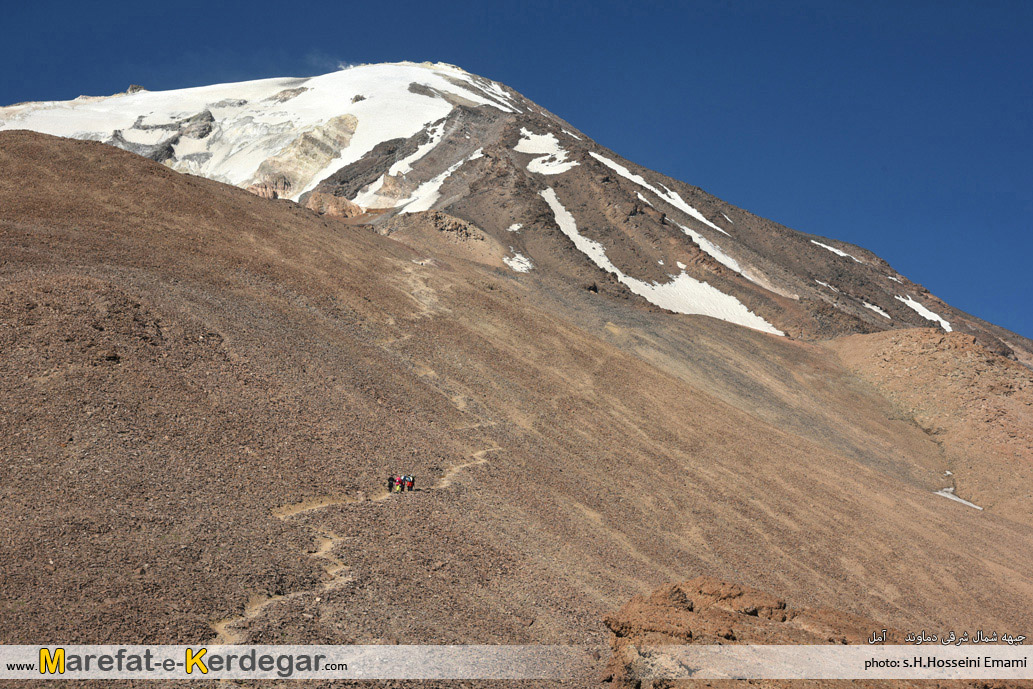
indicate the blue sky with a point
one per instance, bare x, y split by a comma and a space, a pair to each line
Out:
904, 127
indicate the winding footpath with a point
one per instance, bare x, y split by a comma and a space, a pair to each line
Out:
336, 571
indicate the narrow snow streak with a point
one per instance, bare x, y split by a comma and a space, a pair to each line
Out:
876, 309
667, 195
684, 294
493, 90
552, 158
924, 312
836, 251
428, 193
825, 284
404, 166
949, 493
713, 250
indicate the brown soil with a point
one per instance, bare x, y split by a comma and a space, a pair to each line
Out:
183, 363
336, 206
706, 610
976, 405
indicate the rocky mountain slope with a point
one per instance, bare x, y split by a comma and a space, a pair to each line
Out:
202, 393
706, 610
397, 139
973, 402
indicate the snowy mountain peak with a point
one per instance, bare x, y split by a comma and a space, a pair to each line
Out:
386, 142
285, 134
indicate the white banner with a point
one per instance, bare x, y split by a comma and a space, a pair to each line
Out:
294, 662
989, 662
832, 662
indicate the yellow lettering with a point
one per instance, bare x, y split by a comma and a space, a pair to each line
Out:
195, 659
51, 663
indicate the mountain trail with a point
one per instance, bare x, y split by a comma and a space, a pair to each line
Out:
478, 458
425, 296
326, 541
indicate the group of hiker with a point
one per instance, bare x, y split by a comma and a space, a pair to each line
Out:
396, 484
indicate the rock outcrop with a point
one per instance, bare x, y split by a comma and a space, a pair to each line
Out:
707, 610
334, 206
288, 171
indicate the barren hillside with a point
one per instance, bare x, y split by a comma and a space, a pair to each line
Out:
706, 610
202, 393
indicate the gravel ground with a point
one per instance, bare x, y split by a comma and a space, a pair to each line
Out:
183, 364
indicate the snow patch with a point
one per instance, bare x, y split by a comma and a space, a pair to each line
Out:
894, 279
876, 309
949, 493
428, 193
924, 312
494, 89
643, 199
252, 126
150, 137
712, 250
667, 195
552, 158
518, 262
684, 294
515, 227
728, 219
491, 89
404, 166
571, 134
825, 284
838, 252
370, 197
